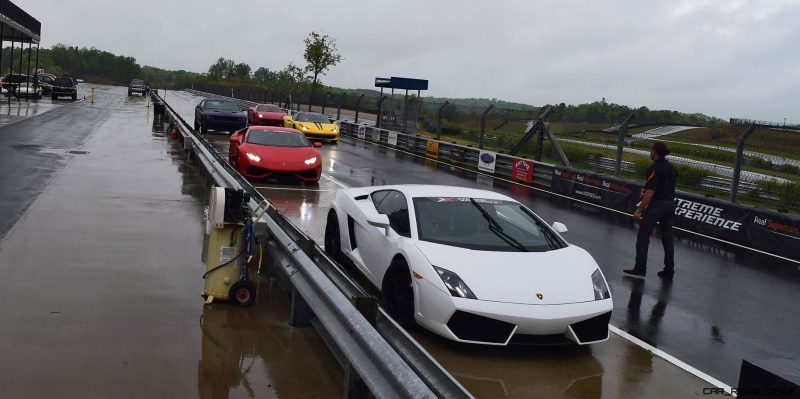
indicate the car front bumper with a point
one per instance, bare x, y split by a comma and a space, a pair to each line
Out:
500, 323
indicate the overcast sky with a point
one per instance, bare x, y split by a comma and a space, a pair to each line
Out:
723, 58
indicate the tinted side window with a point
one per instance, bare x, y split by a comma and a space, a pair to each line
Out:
394, 206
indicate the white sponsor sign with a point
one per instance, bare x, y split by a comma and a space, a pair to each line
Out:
362, 132
392, 138
487, 161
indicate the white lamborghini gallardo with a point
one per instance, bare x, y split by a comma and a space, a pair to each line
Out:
470, 265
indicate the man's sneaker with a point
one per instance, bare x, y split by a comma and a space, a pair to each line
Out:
635, 272
665, 274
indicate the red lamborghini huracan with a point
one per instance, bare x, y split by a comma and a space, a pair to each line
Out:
267, 152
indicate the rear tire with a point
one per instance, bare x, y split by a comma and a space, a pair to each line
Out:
242, 293
74, 97
333, 241
397, 294
203, 128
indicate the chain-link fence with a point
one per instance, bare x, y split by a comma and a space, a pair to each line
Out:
703, 151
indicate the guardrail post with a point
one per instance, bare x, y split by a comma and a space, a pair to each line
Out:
354, 386
621, 142
380, 107
483, 124
737, 169
339, 106
439, 120
358, 105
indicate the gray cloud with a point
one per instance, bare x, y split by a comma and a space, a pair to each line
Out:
724, 58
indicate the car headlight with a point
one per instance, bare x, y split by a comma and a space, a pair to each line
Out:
599, 285
454, 284
310, 161
303, 127
260, 115
254, 157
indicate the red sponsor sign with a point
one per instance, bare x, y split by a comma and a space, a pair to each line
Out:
522, 170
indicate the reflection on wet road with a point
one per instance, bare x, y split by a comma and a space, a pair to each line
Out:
102, 275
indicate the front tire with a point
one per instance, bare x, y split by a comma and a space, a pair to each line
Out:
333, 242
397, 294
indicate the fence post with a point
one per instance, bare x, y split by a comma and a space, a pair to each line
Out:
339, 106
289, 101
737, 169
310, 99
533, 128
380, 107
439, 120
325, 101
621, 142
483, 124
358, 106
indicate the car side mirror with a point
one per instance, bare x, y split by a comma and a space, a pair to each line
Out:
560, 227
380, 221
317, 144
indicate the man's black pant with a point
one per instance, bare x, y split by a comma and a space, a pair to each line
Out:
663, 213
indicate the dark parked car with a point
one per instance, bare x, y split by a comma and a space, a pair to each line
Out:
12, 81
63, 87
138, 86
46, 82
219, 114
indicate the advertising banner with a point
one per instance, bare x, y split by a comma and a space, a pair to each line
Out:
522, 170
362, 132
376, 135
757, 228
487, 161
392, 139
457, 154
602, 190
432, 149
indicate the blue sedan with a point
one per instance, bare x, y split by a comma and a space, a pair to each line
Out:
219, 114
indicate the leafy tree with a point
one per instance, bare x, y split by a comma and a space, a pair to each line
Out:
264, 75
321, 54
239, 71
220, 69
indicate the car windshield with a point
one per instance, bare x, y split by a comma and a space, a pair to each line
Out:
506, 226
309, 117
222, 105
278, 139
268, 108
63, 82
137, 82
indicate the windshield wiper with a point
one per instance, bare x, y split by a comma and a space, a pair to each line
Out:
495, 228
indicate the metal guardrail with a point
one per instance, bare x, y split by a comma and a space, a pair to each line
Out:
379, 357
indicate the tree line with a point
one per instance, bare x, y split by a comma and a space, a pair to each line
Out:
320, 54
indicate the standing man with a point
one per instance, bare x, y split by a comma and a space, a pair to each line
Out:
657, 206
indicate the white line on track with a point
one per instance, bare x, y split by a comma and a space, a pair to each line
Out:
616, 330
672, 359
577, 200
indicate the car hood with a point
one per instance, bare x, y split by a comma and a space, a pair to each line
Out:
270, 115
560, 276
315, 127
284, 156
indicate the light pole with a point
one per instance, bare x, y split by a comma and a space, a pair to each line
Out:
784, 122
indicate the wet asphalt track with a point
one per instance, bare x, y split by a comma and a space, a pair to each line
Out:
724, 305
116, 308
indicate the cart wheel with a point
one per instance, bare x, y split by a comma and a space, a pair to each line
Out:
242, 293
